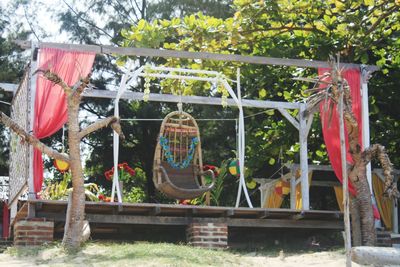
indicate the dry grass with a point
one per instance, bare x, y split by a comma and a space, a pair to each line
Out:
112, 254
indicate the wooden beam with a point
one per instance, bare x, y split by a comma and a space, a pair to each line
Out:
169, 220
299, 216
264, 214
9, 87
191, 212
163, 53
129, 95
325, 183
282, 223
310, 119
312, 167
229, 213
289, 117
155, 211
31, 210
203, 100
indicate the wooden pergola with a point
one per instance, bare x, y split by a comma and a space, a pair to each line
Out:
302, 124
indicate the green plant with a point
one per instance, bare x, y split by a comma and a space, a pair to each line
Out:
215, 194
135, 195
60, 190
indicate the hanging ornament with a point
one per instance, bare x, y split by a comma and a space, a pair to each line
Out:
146, 91
61, 165
147, 80
221, 89
233, 167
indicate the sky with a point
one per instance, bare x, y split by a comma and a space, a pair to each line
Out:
48, 24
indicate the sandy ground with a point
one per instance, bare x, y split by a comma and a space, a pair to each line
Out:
325, 259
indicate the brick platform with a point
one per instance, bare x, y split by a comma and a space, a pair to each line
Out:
33, 232
207, 235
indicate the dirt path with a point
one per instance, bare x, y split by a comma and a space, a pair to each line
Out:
325, 259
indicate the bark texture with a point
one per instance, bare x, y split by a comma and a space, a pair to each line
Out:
355, 222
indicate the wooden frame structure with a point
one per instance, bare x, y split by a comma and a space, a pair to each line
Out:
301, 123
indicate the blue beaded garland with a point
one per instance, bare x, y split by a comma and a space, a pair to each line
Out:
170, 158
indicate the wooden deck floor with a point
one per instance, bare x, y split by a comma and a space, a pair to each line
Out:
163, 214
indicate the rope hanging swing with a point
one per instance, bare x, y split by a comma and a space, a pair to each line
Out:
178, 166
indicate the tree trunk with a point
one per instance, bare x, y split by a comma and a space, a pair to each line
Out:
355, 222
360, 182
358, 177
72, 238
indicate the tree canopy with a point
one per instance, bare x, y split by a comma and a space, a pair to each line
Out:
360, 31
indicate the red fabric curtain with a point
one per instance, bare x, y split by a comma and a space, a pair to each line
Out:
50, 101
330, 123
6, 221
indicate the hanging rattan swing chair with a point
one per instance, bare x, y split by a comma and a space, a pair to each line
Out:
178, 167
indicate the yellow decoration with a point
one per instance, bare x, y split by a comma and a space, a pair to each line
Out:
251, 185
299, 201
273, 199
60, 165
339, 196
385, 205
234, 168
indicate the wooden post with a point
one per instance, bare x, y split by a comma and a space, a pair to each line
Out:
293, 188
343, 151
365, 120
32, 100
68, 214
395, 218
305, 196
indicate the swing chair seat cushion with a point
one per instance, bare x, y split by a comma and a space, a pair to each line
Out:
182, 183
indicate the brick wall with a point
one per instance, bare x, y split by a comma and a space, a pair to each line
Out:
207, 235
33, 232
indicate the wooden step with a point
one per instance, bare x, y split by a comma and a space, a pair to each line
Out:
384, 239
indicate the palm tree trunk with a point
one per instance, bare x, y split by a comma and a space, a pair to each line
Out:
355, 222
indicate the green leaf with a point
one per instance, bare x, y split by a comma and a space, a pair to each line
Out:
251, 185
262, 93
141, 24
369, 2
271, 161
364, 58
270, 112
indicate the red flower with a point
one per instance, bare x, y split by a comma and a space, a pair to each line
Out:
130, 171
184, 202
123, 167
101, 197
109, 174
211, 167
